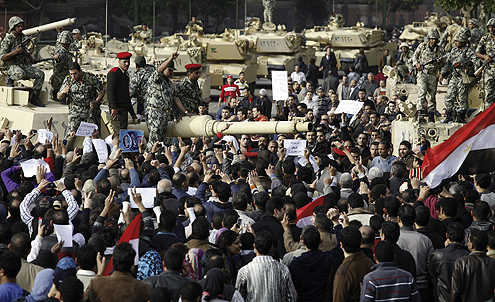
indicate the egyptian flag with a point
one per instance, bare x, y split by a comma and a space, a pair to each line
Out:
305, 213
470, 150
131, 235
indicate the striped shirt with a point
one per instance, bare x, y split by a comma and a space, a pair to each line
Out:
265, 279
388, 283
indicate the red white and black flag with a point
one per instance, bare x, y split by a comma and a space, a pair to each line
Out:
470, 150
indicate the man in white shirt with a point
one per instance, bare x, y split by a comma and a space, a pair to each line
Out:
298, 75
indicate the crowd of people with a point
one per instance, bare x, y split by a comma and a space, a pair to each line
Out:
228, 218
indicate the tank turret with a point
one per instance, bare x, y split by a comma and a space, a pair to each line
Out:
49, 26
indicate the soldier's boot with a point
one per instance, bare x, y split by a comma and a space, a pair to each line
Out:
35, 100
421, 117
9, 81
449, 117
431, 117
461, 116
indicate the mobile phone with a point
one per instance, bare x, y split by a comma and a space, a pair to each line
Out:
14, 131
50, 186
35, 131
239, 222
65, 142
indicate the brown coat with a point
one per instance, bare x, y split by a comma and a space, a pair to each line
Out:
349, 275
119, 287
203, 245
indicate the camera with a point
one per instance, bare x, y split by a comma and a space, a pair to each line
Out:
51, 186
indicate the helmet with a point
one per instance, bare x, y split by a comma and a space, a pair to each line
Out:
65, 37
404, 44
457, 19
461, 36
14, 21
491, 22
474, 21
76, 31
433, 34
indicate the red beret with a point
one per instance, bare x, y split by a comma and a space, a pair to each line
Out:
193, 67
339, 152
124, 55
251, 154
230, 76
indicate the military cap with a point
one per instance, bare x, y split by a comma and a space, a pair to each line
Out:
433, 34
14, 21
230, 76
140, 61
474, 21
192, 67
404, 44
461, 36
76, 31
65, 37
491, 22
124, 55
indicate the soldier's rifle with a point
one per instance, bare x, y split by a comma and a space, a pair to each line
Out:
43, 60
478, 72
429, 61
27, 40
459, 64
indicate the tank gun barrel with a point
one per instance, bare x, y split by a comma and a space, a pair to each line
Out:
419, 31
49, 26
319, 39
204, 125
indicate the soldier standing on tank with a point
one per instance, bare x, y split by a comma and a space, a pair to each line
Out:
61, 64
428, 75
188, 91
448, 35
143, 32
404, 64
161, 99
138, 87
84, 93
486, 50
77, 43
17, 62
476, 34
456, 99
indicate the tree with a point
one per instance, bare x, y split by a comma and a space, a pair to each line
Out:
216, 9
466, 8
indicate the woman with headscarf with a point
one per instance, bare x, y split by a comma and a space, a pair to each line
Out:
42, 285
214, 285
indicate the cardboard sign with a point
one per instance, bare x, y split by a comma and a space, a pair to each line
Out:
295, 147
86, 129
280, 88
348, 106
44, 136
147, 197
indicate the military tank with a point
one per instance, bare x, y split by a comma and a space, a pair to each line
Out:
346, 42
418, 30
406, 126
276, 49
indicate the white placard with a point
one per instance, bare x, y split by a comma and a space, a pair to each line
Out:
29, 167
44, 135
295, 147
312, 160
64, 232
101, 150
109, 141
348, 106
147, 196
86, 129
280, 88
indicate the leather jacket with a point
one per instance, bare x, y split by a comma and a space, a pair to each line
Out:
472, 279
441, 266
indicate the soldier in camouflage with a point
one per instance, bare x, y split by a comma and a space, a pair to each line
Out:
458, 62
77, 43
138, 87
160, 100
428, 74
61, 64
84, 93
486, 51
447, 39
476, 34
404, 64
143, 32
188, 91
16, 61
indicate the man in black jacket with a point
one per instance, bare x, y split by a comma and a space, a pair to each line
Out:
118, 97
275, 210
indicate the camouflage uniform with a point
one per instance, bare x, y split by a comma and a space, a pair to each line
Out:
190, 96
138, 87
404, 64
457, 90
138, 29
476, 34
60, 69
487, 46
19, 66
447, 40
428, 77
161, 101
80, 95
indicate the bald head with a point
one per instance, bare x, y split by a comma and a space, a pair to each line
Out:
197, 168
124, 175
69, 156
367, 236
164, 185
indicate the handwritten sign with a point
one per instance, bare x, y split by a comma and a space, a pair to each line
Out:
312, 160
44, 136
101, 150
130, 140
348, 106
279, 85
30, 166
295, 147
86, 129
147, 197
